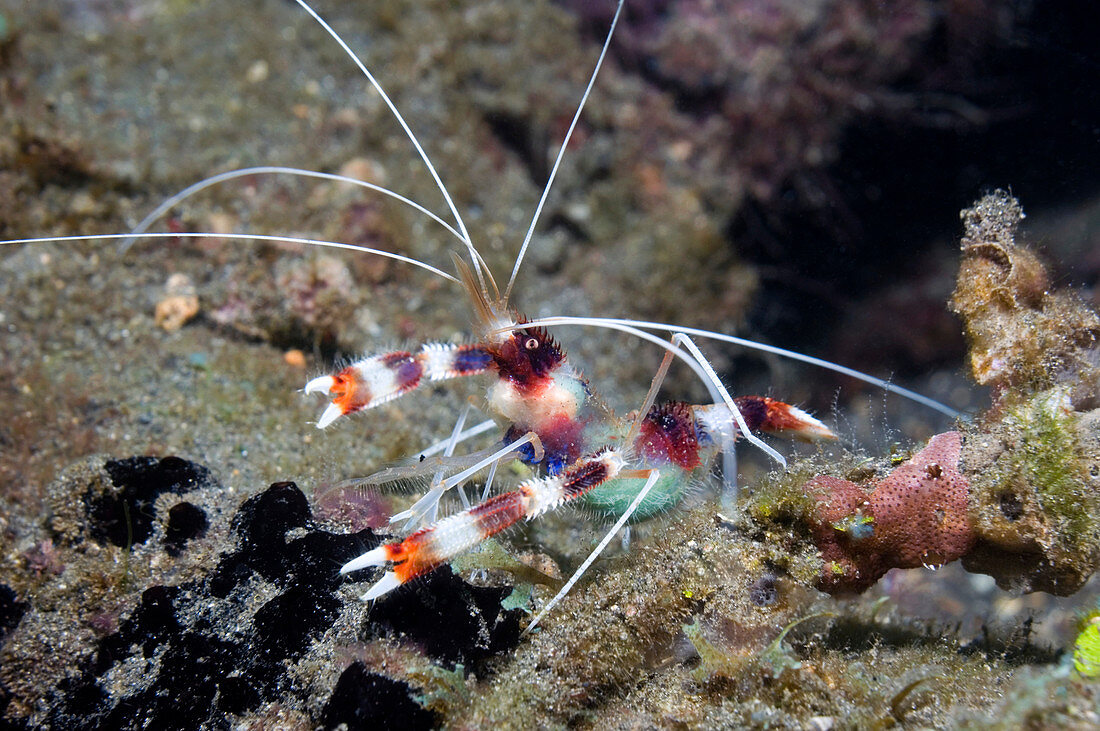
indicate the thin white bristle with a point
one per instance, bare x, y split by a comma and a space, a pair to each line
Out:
426, 504
500, 454
473, 431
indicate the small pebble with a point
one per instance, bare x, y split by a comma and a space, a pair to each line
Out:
180, 304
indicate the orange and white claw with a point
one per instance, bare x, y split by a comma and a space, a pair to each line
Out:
433, 546
366, 384
416, 555
349, 390
764, 415
376, 557
381, 378
793, 422
333, 411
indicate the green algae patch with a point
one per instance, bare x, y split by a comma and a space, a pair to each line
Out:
1034, 497
778, 514
1048, 458
1086, 649
781, 497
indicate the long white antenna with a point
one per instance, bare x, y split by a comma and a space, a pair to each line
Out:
561, 153
241, 237
408, 132
213, 180
616, 323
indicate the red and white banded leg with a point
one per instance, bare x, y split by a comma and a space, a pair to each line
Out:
381, 378
432, 546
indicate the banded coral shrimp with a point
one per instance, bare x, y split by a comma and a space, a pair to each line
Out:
287, 414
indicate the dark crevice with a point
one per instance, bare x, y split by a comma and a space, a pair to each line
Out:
528, 141
861, 225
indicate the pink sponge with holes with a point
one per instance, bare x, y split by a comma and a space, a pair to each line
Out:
918, 515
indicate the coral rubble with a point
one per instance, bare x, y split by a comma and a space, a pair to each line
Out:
1022, 334
1035, 456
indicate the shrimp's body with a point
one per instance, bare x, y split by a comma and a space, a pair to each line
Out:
627, 467
635, 467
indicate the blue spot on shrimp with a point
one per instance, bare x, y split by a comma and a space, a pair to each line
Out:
241, 286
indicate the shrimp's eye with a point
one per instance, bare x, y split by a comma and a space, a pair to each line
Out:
531, 344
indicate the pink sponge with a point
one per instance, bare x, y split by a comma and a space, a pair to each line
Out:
916, 516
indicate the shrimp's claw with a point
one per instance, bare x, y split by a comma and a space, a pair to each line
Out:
380, 556
328, 385
438, 543
351, 390
782, 419
374, 557
373, 381
385, 585
762, 415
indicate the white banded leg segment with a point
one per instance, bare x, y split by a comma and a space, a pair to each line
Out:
429, 547
683, 340
381, 378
